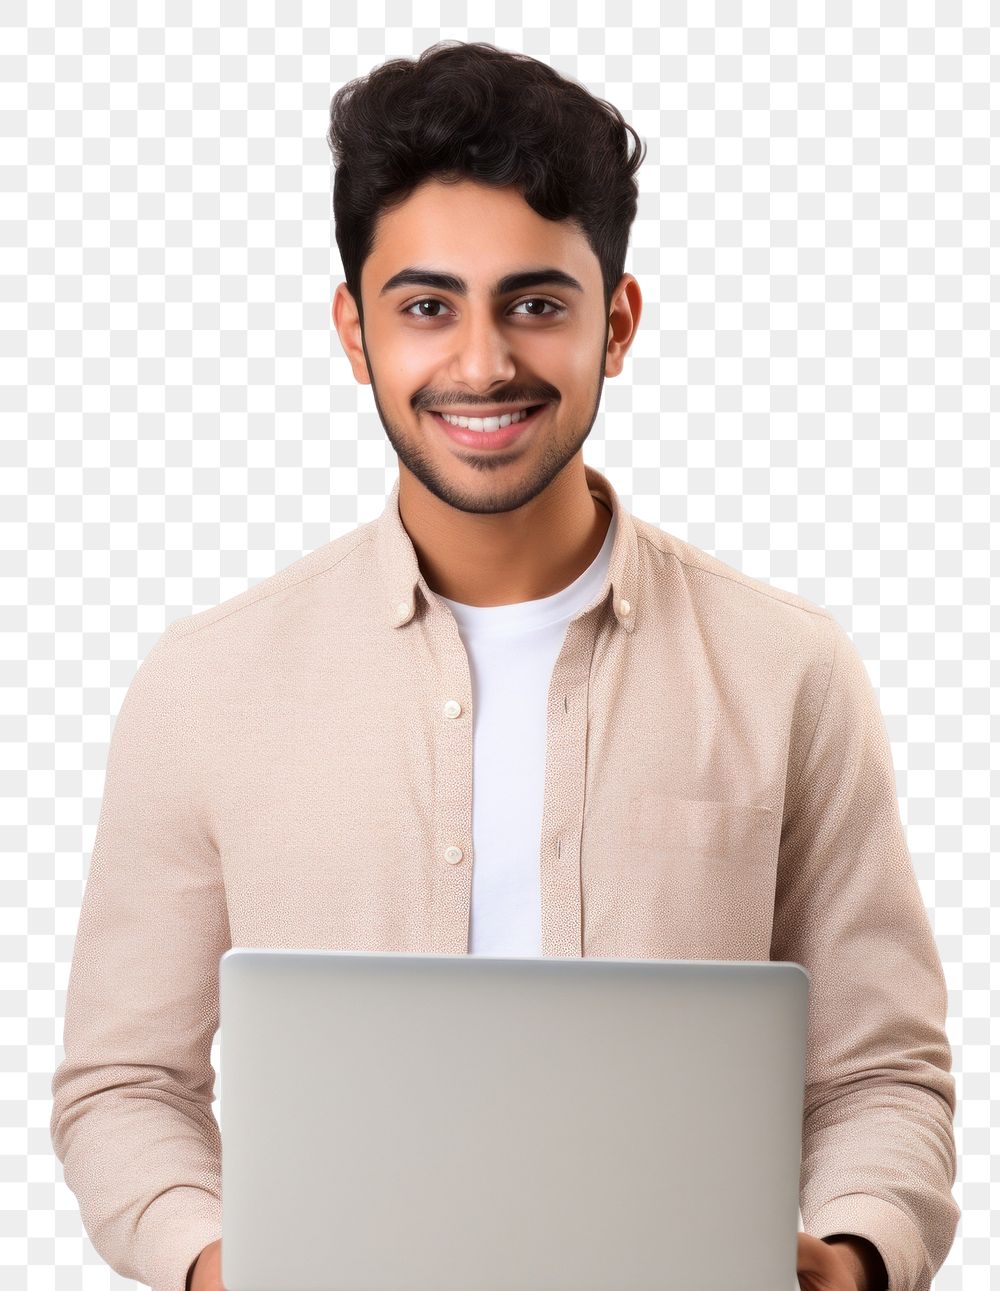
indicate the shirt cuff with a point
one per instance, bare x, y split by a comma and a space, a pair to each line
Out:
173, 1231
889, 1229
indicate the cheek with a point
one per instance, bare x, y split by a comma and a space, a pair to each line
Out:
565, 362
401, 369
569, 353
572, 372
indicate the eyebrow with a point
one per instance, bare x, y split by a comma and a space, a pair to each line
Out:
416, 276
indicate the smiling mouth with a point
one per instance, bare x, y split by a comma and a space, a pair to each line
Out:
525, 414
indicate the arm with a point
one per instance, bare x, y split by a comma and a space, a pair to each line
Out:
132, 1120
878, 1153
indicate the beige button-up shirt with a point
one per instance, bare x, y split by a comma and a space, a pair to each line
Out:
719, 785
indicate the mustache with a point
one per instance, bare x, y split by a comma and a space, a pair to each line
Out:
464, 401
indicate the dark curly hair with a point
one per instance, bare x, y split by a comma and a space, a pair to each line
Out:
472, 111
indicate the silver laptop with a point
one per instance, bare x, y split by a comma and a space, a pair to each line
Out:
408, 1122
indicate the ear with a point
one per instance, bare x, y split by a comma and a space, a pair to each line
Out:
347, 321
626, 310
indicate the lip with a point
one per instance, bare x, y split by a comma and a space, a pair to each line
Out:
488, 440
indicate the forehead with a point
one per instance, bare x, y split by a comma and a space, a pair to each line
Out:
476, 231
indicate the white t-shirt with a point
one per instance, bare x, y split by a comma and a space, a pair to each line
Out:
512, 650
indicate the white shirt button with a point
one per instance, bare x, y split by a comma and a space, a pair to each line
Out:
452, 708
624, 606
453, 855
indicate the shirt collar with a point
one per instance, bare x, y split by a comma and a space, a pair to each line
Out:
401, 576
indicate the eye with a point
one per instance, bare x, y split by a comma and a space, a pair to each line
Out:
531, 300
540, 300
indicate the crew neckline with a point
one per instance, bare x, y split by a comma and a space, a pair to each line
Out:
523, 616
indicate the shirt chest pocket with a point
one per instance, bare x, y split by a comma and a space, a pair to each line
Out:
705, 830
706, 870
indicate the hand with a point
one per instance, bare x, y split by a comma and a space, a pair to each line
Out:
837, 1266
207, 1272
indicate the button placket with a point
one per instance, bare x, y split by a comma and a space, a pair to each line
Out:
453, 787
452, 709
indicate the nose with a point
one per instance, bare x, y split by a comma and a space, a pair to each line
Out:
482, 357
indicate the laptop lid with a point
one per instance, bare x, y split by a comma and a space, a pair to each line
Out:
408, 1122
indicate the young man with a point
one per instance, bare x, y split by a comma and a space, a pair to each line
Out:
506, 717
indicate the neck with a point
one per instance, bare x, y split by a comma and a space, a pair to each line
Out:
508, 557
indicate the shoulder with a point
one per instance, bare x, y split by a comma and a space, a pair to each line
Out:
329, 572
730, 606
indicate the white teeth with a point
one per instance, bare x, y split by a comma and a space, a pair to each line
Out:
484, 423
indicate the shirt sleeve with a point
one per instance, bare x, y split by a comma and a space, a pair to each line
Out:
878, 1149
132, 1120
